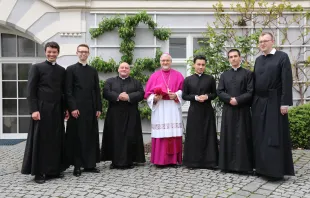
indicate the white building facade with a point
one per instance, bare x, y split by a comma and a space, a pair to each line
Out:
26, 25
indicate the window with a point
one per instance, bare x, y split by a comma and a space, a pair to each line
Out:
14, 77
17, 46
14, 92
177, 47
199, 43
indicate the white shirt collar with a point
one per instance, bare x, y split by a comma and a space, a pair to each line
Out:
53, 63
235, 69
83, 64
123, 78
273, 51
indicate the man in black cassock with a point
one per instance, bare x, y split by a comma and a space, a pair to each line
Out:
44, 152
84, 103
272, 96
235, 89
122, 141
200, 149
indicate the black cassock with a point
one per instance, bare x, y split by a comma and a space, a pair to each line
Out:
122, 141
82, 134
44, 153
273, 88
236, 129
201, 148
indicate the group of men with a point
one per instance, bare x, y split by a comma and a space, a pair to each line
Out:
254, 128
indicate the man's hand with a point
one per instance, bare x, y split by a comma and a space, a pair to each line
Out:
67, 115
75, 113
204, 97
284, 110
36, 115
123, 96
157, 98
172, 95
98, 113
233, 101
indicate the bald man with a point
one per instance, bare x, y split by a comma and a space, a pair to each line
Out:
164, 96
122, 141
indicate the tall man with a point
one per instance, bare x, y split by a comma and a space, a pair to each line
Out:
164, 96
273, 94
200, 149
44, 153
84, 104
235, 89
122, 141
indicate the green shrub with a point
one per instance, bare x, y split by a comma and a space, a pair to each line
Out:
299, 118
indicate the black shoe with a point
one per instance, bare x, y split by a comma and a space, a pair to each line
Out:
161, 166
61, 175
92, 170
56, 176
77, 172
191, 168
128, 167
40, 179
274, 179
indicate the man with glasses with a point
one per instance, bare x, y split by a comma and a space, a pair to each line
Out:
84, 104
164, 96
272, 96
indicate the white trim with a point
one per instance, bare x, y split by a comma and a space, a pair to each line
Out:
21, 60
19, 116
297, 99
14, 136
95, 21
17, 103
181, 13
220, 27
189, 52
118, 46
155, 39
15, 80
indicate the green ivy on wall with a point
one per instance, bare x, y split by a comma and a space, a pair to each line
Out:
127, 31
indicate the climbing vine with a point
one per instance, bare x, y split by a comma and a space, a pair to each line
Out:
127, 31
141, 67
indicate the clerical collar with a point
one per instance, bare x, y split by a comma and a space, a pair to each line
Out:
273, 51
198, 74
83, 64
123, 78
235, 69
53, 63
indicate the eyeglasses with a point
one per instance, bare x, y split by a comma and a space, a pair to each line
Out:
264, 41
83, 52
165, 61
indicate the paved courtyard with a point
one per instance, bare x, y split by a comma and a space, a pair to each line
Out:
149, 181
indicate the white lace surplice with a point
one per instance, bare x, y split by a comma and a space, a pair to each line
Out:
166, 117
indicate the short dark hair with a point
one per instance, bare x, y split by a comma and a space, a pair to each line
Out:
199, 57
83, 45
233, 50
52, 44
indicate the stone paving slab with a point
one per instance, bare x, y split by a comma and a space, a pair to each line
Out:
149, 181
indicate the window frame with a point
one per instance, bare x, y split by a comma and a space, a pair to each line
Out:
16, 61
